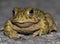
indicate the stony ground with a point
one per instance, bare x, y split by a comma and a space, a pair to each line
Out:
52, 6
53, 38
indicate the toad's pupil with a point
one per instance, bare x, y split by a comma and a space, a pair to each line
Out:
31, 12
13, 12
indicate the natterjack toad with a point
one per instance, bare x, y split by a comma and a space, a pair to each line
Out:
29, 21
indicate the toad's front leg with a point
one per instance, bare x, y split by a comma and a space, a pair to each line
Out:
43, 28
10, 32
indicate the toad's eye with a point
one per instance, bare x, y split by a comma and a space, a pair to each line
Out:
14, 12
31, 12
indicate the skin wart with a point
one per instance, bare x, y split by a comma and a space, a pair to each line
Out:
29, 21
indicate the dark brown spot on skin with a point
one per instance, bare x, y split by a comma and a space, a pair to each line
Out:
30, 17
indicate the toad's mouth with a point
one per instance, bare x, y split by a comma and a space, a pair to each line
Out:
24, 24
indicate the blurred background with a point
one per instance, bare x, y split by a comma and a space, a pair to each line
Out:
51, 6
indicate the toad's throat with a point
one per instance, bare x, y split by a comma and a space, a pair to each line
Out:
24, 24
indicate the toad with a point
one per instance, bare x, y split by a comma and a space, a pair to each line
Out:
29, 21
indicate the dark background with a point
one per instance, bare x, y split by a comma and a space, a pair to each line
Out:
51, 6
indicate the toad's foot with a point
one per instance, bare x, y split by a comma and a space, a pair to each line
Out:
40, 32
13, 35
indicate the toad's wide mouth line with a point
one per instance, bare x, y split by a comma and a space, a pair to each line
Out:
24, 24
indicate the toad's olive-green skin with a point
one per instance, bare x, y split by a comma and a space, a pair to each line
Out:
29, 21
